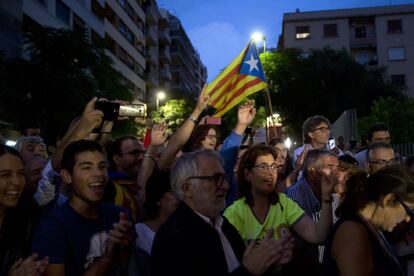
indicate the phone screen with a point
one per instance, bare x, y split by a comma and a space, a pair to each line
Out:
213, 121
332, 143
132, 110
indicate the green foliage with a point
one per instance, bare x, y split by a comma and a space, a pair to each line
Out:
327, 82
397, 114
66, 70
173, 112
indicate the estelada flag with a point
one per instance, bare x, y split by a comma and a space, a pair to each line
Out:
241, 78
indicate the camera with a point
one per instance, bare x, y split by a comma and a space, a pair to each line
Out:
109, 109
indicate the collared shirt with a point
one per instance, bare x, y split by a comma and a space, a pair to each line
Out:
232, 262
303, 195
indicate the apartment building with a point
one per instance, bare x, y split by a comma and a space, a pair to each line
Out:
376, 36
188, 72
173, 64
120, 22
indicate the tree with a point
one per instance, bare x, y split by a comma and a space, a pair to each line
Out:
397, 114
327, 82
173, 112
65, 71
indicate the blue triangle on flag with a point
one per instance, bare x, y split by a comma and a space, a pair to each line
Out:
251, 64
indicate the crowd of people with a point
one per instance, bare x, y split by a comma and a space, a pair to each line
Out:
191, 205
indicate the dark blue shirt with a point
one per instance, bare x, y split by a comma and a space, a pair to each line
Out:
68, 238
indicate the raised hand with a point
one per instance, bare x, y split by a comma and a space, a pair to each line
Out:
159, 134
90, 118
301, 158
203, 100
29, 266
246, 113
328, 183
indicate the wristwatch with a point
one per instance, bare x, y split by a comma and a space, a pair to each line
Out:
195, 121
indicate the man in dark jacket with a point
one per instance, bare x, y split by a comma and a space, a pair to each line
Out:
196, 239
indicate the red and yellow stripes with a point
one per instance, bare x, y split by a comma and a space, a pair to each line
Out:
230, 88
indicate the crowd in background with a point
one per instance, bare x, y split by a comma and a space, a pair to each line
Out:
196, 203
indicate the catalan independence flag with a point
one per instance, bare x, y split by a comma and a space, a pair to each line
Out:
243, 77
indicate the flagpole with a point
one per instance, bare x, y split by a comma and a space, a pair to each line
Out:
269, 101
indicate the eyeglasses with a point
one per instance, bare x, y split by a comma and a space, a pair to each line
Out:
383, 162
266, 167
211, 136
217, 178
409, 211
323, 129
134, 152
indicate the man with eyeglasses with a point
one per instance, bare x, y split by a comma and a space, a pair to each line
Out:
125, 156
377, 133
307, 193
196, 239
378, 156
316, 132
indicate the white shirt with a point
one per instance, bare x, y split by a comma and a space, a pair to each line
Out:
145, 237
232, 262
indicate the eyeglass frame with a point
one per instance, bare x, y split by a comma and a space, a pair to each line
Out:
323, 129
268, 167
211, 136
383, 162
134, 152
407, 209
218, 178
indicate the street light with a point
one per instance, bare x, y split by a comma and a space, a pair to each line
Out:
160, 96
257, 37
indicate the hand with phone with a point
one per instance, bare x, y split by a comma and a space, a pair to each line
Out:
91, 118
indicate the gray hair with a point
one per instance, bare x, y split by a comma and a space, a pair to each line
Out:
375, 146
187, 166
312, 158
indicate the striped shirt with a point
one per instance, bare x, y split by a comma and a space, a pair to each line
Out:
303, 195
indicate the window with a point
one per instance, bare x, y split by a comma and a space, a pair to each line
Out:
362, 58
395, 26
42, 2
62, 12
396, 53
398, 80
302, 32
360, 32
97, 9
78, 23
330, 30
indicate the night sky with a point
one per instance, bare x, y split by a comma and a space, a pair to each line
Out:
220, 29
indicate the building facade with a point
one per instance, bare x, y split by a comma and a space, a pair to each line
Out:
120, 22
148, 45
173, 65
376, 36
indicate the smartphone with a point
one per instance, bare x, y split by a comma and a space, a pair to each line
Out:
332, 143
249, 131
132, 110
109, 109
213, 121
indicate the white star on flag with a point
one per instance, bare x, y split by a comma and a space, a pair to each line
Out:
252, 63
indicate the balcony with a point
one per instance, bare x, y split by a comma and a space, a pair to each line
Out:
151, 36
366, 42
152, 15
165, 73
164, 37
165, 56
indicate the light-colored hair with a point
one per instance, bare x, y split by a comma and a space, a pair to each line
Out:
312, 158
187, 166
